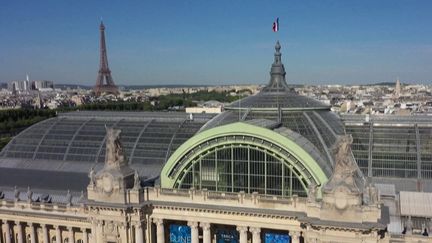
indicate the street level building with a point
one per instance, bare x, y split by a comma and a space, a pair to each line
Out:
273, 167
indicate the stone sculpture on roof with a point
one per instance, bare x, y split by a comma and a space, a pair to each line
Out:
113, 181
16, 194
114, 150
344, 189
344, 195
68, 198
312, 192
345, 168
137, 181
29, 194
91, 175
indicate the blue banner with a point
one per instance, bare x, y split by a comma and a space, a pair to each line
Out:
180, 233
277, 238
227, 236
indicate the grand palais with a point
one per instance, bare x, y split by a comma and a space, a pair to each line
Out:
273, 167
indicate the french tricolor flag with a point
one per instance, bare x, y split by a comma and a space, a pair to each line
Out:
276, 25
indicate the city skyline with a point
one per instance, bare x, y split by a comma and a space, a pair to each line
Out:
223, 43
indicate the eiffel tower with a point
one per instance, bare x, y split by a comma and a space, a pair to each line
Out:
104, 81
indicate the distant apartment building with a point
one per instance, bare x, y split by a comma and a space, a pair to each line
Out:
18, 86
21, 86
210, 110
77, 99
42, 85
397, 91
212, 107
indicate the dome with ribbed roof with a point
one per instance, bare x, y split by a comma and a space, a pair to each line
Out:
276, 94
306, 116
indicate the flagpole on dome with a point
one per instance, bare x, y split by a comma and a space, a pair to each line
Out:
239, 101
276, 30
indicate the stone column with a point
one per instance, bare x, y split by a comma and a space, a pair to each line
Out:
429, 226
6, 227
58, 234
147, 230
32, 233
139, 236
409, 226
99, 232
84, 235
19, 232
71, 235
194, 231
242, 233
93, 232
124, 232
206, 232
45, 233
256, 235
294, 237
160, 234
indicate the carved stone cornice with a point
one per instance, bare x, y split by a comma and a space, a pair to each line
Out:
226, 212
343, 228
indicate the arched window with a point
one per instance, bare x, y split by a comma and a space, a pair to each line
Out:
240, 167
66, 240
28, 238
53, 239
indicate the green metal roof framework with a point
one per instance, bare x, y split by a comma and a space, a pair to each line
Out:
281, 146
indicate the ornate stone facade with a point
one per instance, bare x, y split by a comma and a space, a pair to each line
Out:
117, 209
148, 219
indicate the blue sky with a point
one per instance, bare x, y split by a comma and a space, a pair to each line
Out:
217, 42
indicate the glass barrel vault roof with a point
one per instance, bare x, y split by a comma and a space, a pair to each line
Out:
392, 146
74, 142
